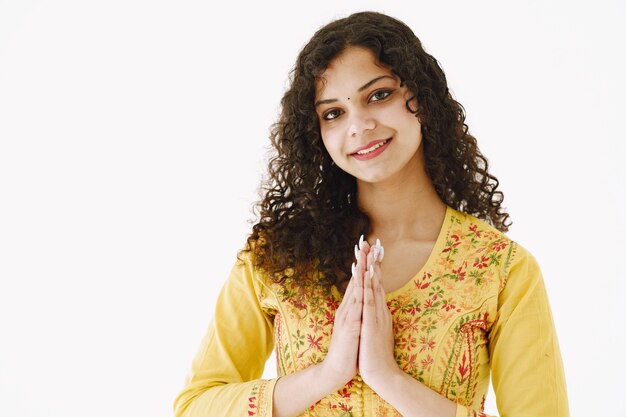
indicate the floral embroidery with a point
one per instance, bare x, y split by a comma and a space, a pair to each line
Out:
440, 321
463, 351
257, 400
252, 400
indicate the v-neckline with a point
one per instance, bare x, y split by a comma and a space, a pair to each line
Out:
434, 254
432, 257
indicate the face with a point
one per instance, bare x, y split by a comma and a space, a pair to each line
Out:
365, 125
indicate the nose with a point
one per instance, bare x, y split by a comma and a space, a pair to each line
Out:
360, 122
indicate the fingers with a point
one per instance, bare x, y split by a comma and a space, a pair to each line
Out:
352, 296
361, 258
355, 302
365, 296
378, 251
369, 299
361, 249
363, 245
357, 298
346, 296
374, 296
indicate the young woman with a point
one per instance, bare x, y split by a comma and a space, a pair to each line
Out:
378, 269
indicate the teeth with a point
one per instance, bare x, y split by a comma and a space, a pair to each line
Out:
373, 148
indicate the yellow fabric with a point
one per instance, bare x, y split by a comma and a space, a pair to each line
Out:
224, 376
478, 305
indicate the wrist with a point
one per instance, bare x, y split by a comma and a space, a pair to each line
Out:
330, 376
382, 379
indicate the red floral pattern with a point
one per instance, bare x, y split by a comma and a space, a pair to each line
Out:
441, 320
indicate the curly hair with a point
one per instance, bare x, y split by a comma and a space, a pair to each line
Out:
308, 216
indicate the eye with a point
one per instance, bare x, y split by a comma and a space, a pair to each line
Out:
331, 114
380, 95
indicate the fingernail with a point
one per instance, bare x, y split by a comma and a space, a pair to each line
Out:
382, 254
361, 242
378, 243
356, 252
376, 252
371, 271
353, 269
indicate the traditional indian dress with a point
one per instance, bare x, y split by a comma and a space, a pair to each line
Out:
478, 305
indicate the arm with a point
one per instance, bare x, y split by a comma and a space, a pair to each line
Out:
526, 365
224, 379
412, 398
297, 391
294, 392
224, 376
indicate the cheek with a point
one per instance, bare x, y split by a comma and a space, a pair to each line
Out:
330, 141
401, 116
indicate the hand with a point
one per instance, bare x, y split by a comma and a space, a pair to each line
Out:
376, 349
340, 363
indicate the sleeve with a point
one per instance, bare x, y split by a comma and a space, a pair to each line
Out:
224, 378
526, 365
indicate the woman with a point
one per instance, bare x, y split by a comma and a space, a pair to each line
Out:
433, 296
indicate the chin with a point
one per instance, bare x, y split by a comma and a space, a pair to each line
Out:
372, 179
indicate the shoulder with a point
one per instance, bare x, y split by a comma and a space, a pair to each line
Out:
522, 269
516, 259
491, 253
485, 246
246, 267
477, 235
263, 281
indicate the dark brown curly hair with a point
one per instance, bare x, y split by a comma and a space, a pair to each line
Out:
308, 216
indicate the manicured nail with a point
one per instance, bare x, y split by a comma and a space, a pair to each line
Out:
371, 271
378, 243
382, 254
361, 242
356, 252
376, 251
353, 269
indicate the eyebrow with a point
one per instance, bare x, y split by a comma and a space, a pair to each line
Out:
363, 87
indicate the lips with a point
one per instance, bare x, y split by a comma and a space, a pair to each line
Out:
369, 145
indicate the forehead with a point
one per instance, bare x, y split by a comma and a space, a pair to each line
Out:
349, 70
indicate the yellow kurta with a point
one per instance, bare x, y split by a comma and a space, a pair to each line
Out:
478, 304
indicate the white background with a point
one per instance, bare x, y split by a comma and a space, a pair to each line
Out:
133, 136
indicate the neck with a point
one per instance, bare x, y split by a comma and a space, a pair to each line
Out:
406, 208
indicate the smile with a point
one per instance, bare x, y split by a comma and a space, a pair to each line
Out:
373, 151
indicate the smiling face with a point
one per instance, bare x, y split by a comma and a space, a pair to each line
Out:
365, 125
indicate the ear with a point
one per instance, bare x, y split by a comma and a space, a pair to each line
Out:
413, 104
